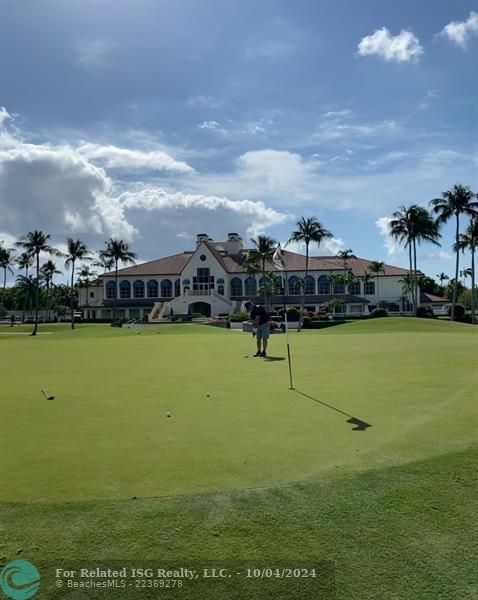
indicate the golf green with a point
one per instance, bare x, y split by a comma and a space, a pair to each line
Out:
234, 422
244, 470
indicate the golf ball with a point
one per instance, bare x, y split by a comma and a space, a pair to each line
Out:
168, 414
207, 395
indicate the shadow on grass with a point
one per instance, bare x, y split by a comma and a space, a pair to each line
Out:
359, 424
273, 358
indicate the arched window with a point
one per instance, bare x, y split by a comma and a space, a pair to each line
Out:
125, 289
323, 285
250, 287
294, 286
220, 280
220, 289
153, 288
279, 284
110, 290
186, 282
339, 287
138, 289
166, 289
177, 287
236, 287
310, 285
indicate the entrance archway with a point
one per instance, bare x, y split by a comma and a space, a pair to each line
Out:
201, 307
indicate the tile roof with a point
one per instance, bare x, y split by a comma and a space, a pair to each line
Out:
174, 265
425, 297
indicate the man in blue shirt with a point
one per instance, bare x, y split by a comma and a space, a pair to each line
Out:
261, 321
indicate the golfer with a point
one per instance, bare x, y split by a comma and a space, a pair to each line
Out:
261, 321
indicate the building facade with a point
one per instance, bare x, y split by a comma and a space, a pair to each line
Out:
211, 280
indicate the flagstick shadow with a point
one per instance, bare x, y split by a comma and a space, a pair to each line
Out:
360, 425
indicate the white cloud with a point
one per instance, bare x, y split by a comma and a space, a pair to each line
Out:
460, 32
404, 47
333, 245
338, 113
124, 158
4, 115
95, 54
440, 255
390, 243
41, 187
211, 125
335, 129
328, 247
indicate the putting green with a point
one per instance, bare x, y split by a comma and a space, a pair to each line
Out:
234, 424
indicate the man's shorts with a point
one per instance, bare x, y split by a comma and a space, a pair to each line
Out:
263, 331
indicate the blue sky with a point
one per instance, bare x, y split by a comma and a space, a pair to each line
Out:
155, 121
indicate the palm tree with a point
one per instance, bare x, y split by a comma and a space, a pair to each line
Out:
407, 288
6, 262
414, 225
455, 202
76, 250
263, 251
25, 261
117, 251
442, 277
252, 267
309, 229
366, 277
48, 271
344, 256
26, 284
86, 275
34, 243
376, 268
104, 262
469, 240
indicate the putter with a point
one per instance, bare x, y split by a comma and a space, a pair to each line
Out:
47, 395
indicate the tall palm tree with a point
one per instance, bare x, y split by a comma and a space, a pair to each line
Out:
365, 278
76, 251
25, 261
263, 251
469, 241
251, 265
309, 230
460, 200
34, 243
410, 226
118, 251
86, 276
6, 261
48, 271
376, 268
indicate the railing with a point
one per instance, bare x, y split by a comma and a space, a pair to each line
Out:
198, 292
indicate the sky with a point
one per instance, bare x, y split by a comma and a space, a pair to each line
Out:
155, 121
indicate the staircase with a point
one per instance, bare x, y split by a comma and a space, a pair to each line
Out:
153, 316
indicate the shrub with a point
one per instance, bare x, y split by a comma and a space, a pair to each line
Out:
425, 312
238, 317
293, 314
306, 322
459, 311
378, 312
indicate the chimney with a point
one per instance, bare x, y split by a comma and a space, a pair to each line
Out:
234, 243
202, 237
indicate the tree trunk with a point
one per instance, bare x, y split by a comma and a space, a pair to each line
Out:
116, 291
71, 294
37, 294
302, 304
457, 268
411, 274
415, 278
473, 285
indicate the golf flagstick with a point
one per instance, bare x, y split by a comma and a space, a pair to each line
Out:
278, 262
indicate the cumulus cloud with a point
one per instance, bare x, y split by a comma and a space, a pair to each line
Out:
41, 187
123, 158
390, 243
404, 47
460, 32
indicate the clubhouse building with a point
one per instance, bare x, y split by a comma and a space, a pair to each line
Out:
211, 280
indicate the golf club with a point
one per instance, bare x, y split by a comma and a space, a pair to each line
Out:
47, 395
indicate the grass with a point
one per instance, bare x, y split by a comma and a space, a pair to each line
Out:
245, 467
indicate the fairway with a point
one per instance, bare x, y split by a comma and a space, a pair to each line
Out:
243, 461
